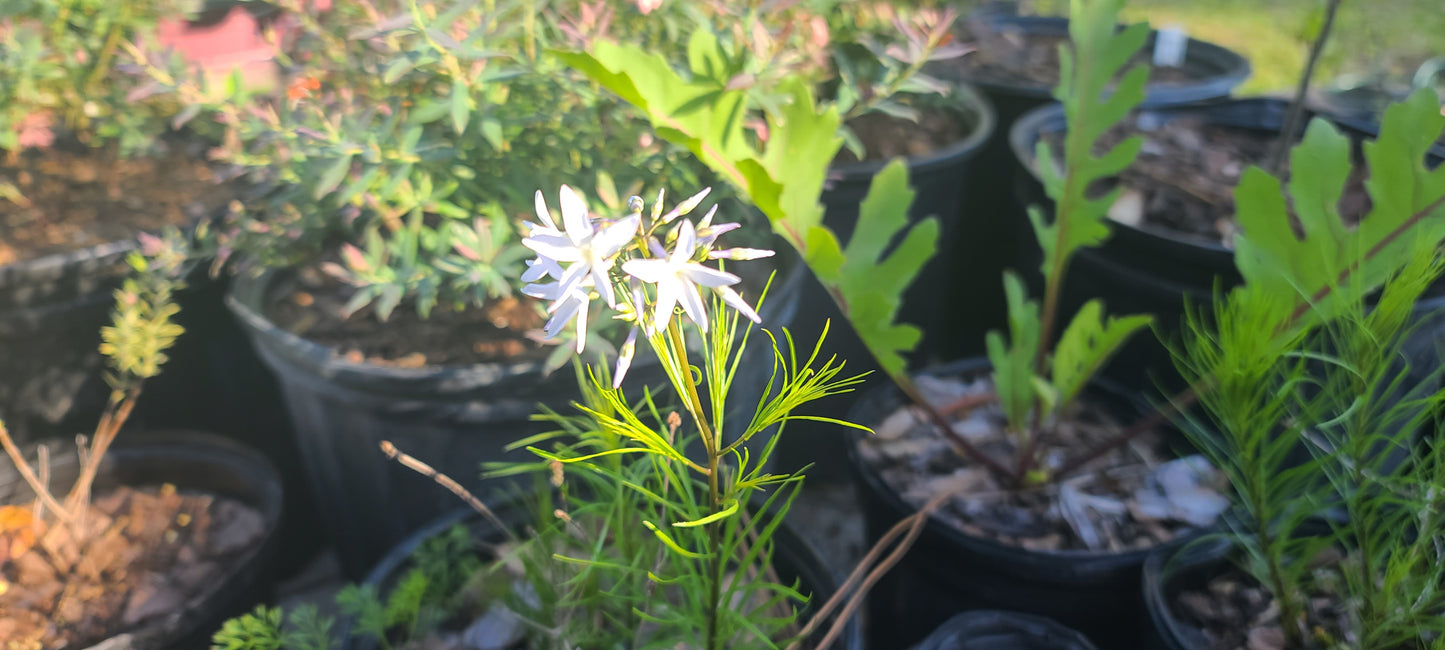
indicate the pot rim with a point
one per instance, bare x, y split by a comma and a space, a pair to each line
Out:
1234, 67
248, 293
214, 449
1025, 132
966, 98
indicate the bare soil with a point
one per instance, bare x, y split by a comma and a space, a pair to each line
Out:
1107, 506
313, 305
146, 553
70, 197
1184, 178
885, 137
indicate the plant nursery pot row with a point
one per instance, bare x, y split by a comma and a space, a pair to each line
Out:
950, 569
232, 562
1152, 266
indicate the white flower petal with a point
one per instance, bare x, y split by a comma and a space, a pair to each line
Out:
686, 243
655, 247
654, 271
667, 294
736, 302
603, 283
692, 304
707, 277
574, 217
613, 238
542, 291
542, 214
553, 246
540, 268
582, 327
571, 282
624, 358
565, 310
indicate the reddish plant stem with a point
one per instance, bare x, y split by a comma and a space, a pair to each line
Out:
962, 446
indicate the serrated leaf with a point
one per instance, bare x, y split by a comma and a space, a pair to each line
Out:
1093, 102
1408, 208
1086, 346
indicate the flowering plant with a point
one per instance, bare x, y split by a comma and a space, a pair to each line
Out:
642, 539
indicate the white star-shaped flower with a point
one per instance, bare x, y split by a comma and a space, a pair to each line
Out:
584, 248
677, 278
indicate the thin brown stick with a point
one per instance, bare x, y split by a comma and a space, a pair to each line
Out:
42, 491
445, 481
43, 462
1297, 107
968, 403
910, 527
110, 425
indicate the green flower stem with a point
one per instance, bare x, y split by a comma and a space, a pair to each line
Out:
711, 443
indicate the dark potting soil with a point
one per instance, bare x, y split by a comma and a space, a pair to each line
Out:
885, 136
312, 304
1184, 178
1237, 613
147, 553
69, 196
1008, 56
1112, 504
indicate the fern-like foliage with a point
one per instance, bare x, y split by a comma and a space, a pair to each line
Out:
696, 109
1093, 103
1035, 376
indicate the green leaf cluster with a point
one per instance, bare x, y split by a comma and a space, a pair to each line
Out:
142, 326
1325, 434
1313, 391
65, 75
415, 132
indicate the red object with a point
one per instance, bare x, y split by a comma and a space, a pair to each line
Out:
232, 42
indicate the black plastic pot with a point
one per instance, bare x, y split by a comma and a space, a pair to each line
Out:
1000, 630
1169, 572
939, 300
1216, 71
51, 312
191, 461
451, 417
1144, 269
793, 559
948, 570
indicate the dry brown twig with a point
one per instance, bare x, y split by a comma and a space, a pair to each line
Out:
910, 528
411, 463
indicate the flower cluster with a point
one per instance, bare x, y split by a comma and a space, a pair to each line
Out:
582, 257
